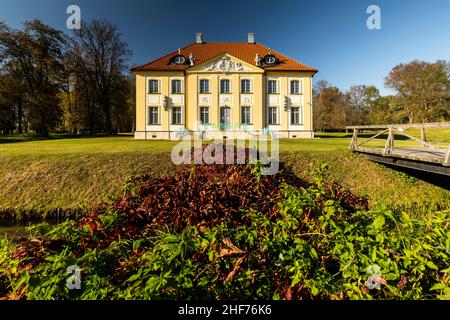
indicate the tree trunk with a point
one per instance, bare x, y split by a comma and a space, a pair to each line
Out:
107, 112
19, 118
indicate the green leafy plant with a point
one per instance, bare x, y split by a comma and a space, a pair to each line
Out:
223, 232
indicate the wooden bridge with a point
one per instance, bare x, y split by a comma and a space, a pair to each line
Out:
429, 157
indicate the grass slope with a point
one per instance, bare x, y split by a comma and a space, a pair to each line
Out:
70, 173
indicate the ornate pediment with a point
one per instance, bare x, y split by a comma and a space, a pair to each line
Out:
225, 64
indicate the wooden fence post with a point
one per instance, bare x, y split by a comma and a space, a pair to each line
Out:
423, 136
354, 141
389, 143
447, 158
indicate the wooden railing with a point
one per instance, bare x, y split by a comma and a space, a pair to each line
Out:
392, 130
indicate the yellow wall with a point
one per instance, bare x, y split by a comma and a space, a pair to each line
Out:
191, 99
306, 78
142, 96
259, 116
193, 105
140, 101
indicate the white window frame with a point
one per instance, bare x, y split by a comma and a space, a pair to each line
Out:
158, 83
173, 113
200, 86
249, 115
201, 114
277, 86
276, 115
229, 86
181, 85
291, 82
158, 122
250, 86
300, 116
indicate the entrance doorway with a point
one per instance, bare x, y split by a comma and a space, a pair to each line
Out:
225, 118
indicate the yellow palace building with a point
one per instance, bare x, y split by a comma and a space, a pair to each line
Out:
214, 90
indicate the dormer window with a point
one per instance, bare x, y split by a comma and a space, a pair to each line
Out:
179, 59
270, 59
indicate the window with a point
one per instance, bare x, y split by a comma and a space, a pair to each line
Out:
270, 59
272, 86
272, 115
295, 87
176, 115
153, 86
204, 86
295, 115
224, 86
245, 86
245, 115
179, 59
176, 86
204, 115
153, 115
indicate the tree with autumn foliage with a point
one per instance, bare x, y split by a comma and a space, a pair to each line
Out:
329, 107
422, 89
51, 81
34, 55
360, 100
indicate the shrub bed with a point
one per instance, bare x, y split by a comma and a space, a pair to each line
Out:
226, 232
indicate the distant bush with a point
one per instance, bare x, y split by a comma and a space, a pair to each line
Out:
221, 232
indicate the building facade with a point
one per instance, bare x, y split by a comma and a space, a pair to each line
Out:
216, 90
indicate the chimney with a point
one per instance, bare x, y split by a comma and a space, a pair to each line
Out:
198, 37
251, 38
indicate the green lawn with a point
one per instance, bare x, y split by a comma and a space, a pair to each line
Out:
42, 175
77, 146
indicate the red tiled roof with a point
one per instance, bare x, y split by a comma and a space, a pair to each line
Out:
203, 52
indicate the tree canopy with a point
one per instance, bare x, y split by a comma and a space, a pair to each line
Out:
422, 94
70, 82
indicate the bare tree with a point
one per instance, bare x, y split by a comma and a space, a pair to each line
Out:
99, 57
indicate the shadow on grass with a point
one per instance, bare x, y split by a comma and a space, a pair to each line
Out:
432, 178
27, 138
360, 136
16, 139
332, 136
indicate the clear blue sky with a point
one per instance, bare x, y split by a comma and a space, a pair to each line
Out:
329, 35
